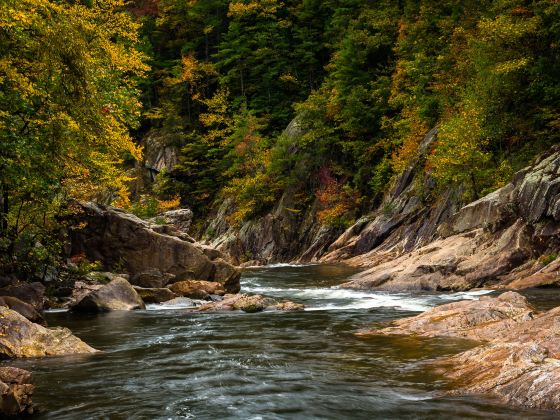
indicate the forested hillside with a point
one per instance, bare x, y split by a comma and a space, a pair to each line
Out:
366, 81
85, 84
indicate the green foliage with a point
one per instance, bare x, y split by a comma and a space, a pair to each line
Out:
68, 97
548, 258
367, 82
358, 83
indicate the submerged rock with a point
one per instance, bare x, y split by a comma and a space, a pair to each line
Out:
22, 308
183, 302
15, 392
196, 289
155, 295
250, 304
20, 337
118, 295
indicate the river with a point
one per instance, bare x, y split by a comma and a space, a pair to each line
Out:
168, 363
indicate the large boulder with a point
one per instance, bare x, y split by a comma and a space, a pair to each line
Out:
15, 392
20, 337
118, 295
250, 304
31, 293
119, 239
22, 308
196, 289
155, 295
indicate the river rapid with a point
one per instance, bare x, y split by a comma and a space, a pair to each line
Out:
168, 363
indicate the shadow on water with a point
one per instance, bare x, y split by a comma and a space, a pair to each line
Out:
304, 365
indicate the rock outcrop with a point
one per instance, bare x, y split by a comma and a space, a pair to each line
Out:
180, 219
155, 295
289, 232
519, 360
250, 304
118, 295
20, 337
482, 320
22, 308
30, 293
123, 241
285, 234
15, 392
160, 152
196, 289
500, 240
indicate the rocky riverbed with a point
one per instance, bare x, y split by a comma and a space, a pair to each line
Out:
518, 358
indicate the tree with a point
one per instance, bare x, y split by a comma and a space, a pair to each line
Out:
68, 74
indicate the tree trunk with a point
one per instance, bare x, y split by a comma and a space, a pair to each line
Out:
4, 208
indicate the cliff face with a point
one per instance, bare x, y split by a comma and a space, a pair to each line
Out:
412, 241
509, 238
283, 235
403, 222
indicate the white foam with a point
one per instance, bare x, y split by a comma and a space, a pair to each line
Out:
363, 301
282, 265
336, 298
167, 307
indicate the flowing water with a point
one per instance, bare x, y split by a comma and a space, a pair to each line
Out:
169, 363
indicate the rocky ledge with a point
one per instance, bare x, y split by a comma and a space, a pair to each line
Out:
20, 337
517, 362
153, 255
507, 239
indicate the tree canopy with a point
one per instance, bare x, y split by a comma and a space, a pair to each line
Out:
68, 97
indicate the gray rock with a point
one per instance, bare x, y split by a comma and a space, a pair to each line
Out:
118, 295
155, 295
22, 308
494, 241
31, 293
121, 240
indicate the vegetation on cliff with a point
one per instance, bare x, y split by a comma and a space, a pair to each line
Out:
366, 82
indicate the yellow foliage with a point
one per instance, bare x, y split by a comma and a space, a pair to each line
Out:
165, 205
